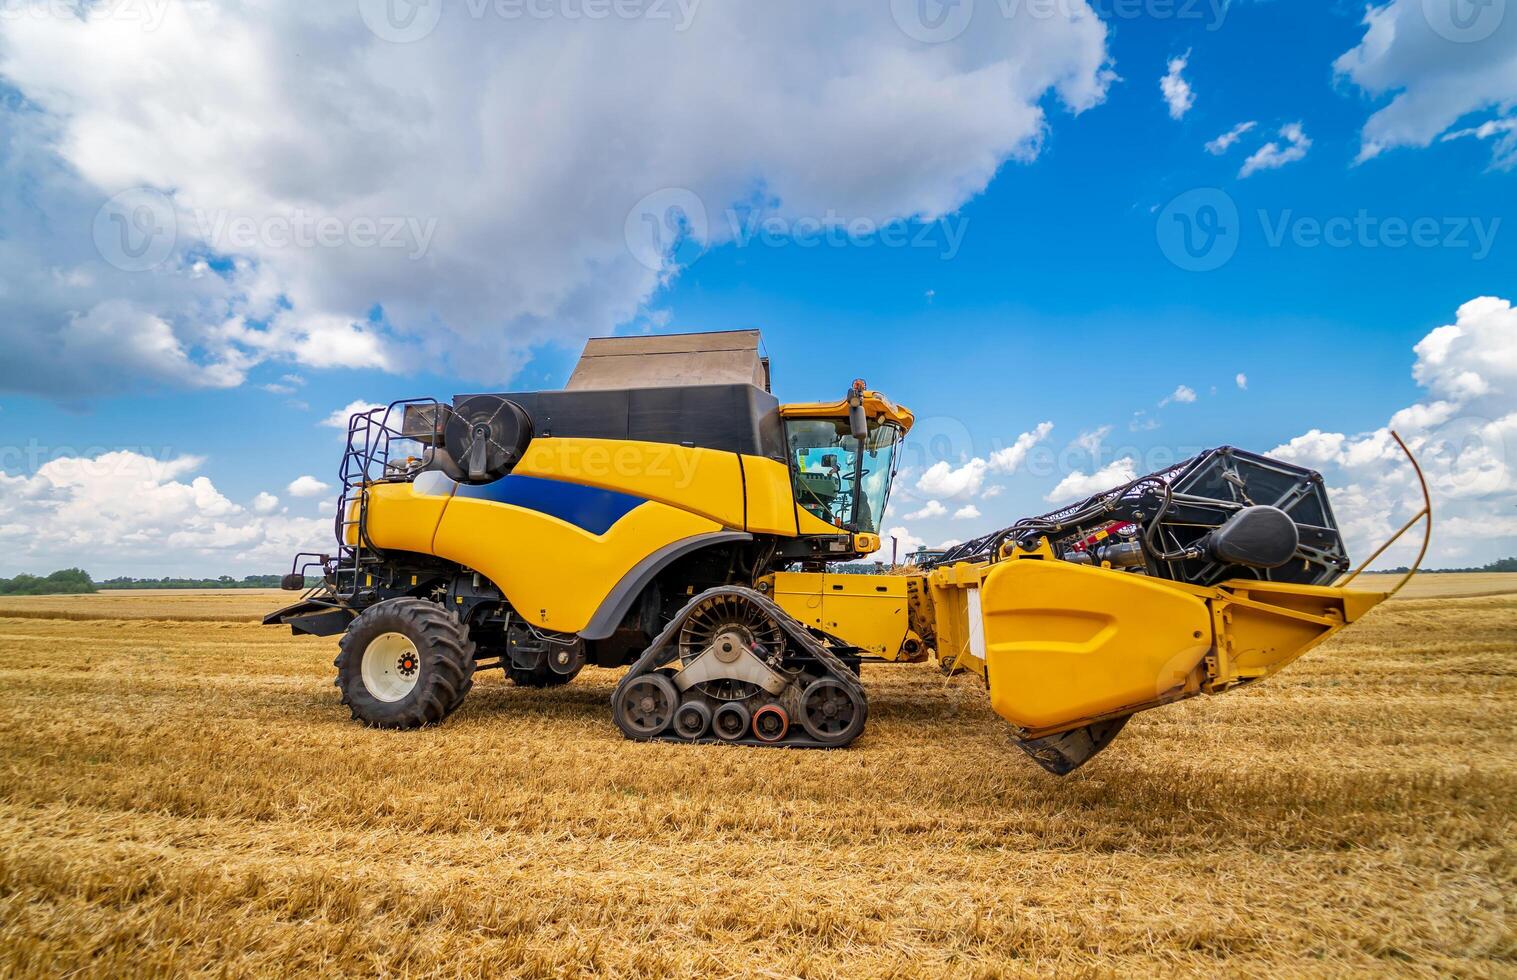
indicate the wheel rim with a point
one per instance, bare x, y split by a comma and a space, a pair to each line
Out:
648, 704
829, 710
730, 721
390, 667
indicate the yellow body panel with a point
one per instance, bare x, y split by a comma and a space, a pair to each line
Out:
876, 405
1064, 642
1062, 645
556, 575
868, 611
708, 482
400, 518
771, 499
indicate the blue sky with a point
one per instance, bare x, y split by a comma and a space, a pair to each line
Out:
1052, 294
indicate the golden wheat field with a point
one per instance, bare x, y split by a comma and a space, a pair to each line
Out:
183, 794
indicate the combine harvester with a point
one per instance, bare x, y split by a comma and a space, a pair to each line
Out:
664, 511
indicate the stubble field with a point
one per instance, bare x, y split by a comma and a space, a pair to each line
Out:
181, 792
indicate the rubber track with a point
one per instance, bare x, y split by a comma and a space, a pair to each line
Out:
798, 634
448, 654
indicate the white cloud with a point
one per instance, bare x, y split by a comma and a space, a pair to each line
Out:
1009, 459
966, 513
307, 486
1272, 156
214, 108
1465, 436
1078, 485
928, 510
265, 503
1090, 440
1503, 150
1241, 380
1438, 63
942, 480
905, 542
125, 513
1184, 394
1223, 143
990, 493
1178, 94
339, 419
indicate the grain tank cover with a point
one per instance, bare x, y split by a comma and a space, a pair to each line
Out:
671, 361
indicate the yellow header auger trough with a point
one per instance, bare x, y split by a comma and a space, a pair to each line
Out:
664, 511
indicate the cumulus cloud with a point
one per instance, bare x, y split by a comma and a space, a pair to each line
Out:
1184, 394
1464, 432
1274, 155
1078, 485
1009, 459
417, 202
930, 509
1241, 380
948, 482
1090, 440
1223, 143
307, 486
339, 419
126, 513
966, 513
1178, 95
265, 503
1437, 63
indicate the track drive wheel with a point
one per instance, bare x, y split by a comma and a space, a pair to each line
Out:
645, 706
404, 663
832, 712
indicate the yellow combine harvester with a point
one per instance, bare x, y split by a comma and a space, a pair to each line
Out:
664, 511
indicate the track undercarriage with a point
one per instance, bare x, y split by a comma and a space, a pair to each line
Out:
732, 666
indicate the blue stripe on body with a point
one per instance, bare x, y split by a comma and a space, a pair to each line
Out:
591, 508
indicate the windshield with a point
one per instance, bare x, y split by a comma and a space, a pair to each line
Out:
825, 461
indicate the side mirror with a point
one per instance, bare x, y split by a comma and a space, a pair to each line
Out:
858, 421
293, 582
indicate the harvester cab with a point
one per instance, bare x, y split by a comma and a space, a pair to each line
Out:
665, 513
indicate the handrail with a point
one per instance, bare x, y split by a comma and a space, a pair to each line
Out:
1427, 532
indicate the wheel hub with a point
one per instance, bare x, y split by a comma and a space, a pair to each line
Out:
390, 667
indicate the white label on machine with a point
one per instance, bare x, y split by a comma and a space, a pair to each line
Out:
976, 625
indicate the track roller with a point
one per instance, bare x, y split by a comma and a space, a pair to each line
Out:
730, 722
732, 666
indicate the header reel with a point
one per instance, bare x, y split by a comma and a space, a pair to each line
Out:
1221, 515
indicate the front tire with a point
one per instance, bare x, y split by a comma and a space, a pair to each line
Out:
404, 663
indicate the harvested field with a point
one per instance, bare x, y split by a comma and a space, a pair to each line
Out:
183, 793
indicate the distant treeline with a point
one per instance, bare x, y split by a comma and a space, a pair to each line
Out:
68, 581
223, 582
1499, 565
76, 581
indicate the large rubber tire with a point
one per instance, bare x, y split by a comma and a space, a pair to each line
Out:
444, 671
